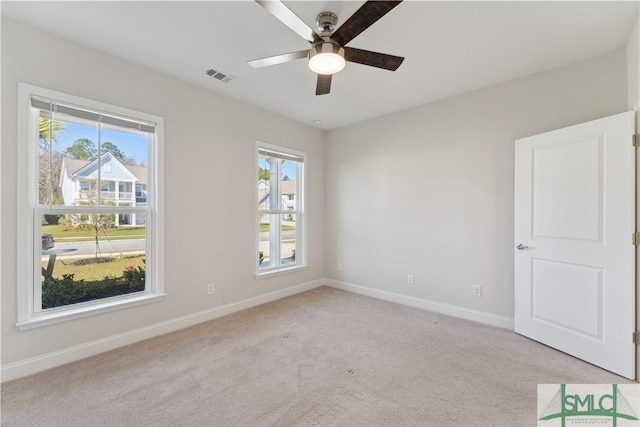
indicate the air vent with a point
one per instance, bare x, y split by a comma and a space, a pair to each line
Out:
226, 78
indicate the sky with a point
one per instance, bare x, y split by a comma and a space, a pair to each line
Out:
288, 168
130, 144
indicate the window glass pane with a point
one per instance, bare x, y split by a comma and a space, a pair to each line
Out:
124, 174
288, 239
86, 257
264, 253
68, 163
288, 186
264, 174
61, 143
91, 255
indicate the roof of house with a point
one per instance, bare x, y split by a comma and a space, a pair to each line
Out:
140, 172
288, 186
74, 165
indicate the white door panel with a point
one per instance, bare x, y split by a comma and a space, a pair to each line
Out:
555, 283
566, 205
575, 213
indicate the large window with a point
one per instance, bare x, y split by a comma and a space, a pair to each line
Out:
280, 199
88, 242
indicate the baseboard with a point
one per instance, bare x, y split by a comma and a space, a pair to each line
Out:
15, 370
450, 310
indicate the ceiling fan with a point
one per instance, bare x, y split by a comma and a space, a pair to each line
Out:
328, 52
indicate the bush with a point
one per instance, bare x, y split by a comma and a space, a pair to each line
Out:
134, 275
67, 291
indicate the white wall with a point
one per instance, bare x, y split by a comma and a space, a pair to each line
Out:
633, 70
209, 197
429, 191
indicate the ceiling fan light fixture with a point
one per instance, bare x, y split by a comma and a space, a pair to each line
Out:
326, 57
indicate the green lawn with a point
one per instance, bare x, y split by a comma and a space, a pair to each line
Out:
95, 271
61, 234
264, 226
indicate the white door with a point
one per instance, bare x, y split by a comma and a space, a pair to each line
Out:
574, 259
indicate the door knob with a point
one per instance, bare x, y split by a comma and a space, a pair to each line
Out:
521, 247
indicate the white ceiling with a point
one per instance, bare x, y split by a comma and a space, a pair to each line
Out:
450, 47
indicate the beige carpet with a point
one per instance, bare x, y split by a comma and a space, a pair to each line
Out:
324, 357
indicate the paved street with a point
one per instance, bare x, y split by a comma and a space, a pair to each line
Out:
106, 246
88, 247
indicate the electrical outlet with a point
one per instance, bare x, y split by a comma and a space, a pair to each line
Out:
339, 266
211, 288
410, 279
476, 290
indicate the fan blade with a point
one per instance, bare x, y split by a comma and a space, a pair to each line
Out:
323, 86
278, 59
373, 59
288, 18
364, 17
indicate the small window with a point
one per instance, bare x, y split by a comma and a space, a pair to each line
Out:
281, 213
85, 185
96, 252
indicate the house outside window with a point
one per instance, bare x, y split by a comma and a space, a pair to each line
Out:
83, 159
281, 237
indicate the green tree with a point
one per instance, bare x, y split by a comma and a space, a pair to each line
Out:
110, 147
48, 131
83, 149
96, 222
263, 174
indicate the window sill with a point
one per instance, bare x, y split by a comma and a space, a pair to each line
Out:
279, 271
87, 309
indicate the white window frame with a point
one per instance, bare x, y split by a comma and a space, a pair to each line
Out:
301, 220
29, 242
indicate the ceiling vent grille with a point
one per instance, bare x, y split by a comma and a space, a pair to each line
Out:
225, 78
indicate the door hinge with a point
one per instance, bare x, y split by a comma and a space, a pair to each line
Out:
636, 140
636, 337
635, 239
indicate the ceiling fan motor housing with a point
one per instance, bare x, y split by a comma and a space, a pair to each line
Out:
326, 22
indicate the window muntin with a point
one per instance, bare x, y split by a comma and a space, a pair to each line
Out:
84, 159
280, 199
